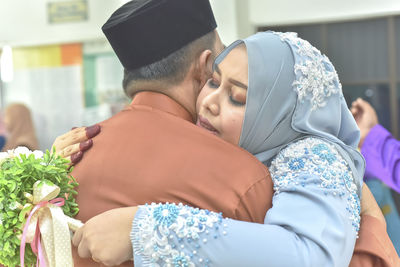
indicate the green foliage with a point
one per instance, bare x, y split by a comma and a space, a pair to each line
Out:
17, 176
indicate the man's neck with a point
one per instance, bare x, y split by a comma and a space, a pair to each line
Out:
183, 94
160, 101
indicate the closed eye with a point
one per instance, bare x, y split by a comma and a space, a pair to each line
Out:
235, 102
212, 83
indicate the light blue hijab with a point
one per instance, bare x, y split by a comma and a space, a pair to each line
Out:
294, 92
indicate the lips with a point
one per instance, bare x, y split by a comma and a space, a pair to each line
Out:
205, 124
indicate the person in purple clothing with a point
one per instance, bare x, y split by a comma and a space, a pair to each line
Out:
379, 148
381, 152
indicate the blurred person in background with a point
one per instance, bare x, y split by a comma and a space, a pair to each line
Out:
19, 125
381, 152
3, 132
379, 148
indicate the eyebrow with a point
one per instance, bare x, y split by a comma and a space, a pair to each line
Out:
233, 81
237, 83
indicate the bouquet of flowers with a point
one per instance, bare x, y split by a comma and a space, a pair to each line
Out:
36, 196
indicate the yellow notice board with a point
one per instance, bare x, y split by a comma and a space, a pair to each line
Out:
50, 56
67, 11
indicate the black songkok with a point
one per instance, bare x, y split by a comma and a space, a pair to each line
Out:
142, 32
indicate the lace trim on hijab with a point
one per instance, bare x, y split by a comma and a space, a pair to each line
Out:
314, 79
299, 163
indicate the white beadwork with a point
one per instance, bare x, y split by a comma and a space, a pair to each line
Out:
153, 230
316, 78
293, 166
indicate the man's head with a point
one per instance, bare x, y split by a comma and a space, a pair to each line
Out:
165, 44
174, 68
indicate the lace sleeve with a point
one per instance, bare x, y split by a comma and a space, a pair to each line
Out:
294, 164
170, 233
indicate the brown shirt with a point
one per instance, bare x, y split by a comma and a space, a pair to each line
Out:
152, 152
373, 247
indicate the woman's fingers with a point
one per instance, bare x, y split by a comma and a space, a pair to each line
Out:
69, 150
85, 145
72, 144
75, 158
74, 137
72, 152
92, 131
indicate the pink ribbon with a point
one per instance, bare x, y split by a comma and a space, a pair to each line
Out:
36, 244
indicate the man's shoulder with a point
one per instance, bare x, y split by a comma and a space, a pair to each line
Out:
176, 135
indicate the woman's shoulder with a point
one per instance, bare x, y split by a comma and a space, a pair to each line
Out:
315, 164
312, 161
309, 151
311, 146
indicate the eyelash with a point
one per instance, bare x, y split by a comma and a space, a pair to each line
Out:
234, 102
212, 84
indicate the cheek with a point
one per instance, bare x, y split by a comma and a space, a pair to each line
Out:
233, 125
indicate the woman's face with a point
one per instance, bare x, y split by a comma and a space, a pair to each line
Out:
221, 102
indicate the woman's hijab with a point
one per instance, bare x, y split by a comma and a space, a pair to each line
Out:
20, 128
294, 92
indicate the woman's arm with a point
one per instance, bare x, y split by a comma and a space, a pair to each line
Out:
304, 234
103, 237
313, 221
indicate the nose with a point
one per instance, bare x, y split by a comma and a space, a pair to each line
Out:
214, 108
212, 104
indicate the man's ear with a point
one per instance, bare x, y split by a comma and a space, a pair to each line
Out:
205, 62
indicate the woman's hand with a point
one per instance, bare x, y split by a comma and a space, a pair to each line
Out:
369, 205
106, 237
72, 144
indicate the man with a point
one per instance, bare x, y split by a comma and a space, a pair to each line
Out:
152, 151
143, 151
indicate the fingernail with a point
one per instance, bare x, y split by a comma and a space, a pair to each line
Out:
92, 131
73, 128
83, 146
75, 158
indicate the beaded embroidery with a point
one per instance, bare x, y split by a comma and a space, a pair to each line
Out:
312, 156
316, 78
160, 228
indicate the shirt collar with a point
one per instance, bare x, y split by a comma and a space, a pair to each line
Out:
161, 102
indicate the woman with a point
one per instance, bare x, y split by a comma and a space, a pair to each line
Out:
285, 118
316, 169
19, 125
